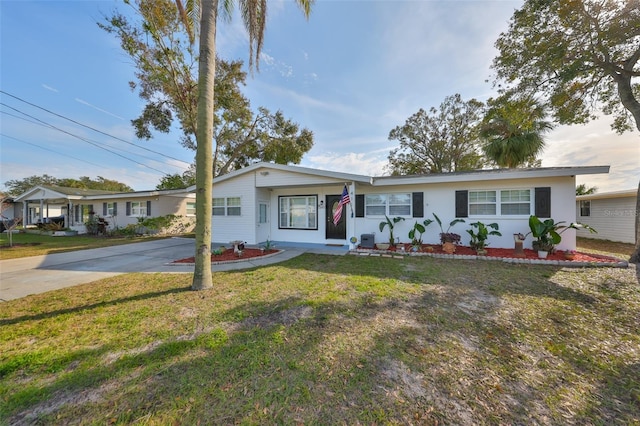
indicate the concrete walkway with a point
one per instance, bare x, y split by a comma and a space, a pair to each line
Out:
39, 274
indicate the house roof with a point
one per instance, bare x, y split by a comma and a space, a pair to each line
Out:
61, 192
613, 194
294, 169
491, 174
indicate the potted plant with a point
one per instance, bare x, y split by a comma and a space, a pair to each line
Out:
570, 254
479, 237
548, 233
415, 234
390, 223
449, 240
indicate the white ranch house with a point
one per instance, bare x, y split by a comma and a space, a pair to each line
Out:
74, 206
291, 204
612, 214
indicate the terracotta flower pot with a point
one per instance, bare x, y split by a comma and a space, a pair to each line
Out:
449, 248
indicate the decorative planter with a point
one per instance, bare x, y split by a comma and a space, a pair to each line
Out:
569, 256
542, 254
383, 246
481, 252
449, 248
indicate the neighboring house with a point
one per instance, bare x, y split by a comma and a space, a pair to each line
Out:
294, 204
611, 214
75, 206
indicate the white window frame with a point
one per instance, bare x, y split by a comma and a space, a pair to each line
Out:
498, 199
110, 208
585, 207
138, 208
191, 208
286, 217
379, 205
227, 206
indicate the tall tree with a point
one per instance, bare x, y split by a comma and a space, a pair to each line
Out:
16, 187
513, 130
582, 56
440, 140
254, 15
166, 62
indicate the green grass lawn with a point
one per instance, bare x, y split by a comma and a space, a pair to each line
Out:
25, 244
330, 340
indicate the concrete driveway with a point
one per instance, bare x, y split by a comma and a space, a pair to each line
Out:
39, 274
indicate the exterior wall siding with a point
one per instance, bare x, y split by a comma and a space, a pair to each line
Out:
440, 199
612, 218
231, 228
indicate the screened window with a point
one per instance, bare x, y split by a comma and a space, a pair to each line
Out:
585, 208
388, 204
298, 212
191, 208
515, 202
111, 209
229, 206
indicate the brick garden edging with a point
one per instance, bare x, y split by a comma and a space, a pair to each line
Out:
564, 263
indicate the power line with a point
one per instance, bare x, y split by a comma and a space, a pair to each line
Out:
89, 127
49, 125
84, 139
51, 150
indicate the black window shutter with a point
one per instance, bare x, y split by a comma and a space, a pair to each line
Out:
148, 208
115, 209
128, 208
462, 203
359, 205
543, 201
418, 204
104, 209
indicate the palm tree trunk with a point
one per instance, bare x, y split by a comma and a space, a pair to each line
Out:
202, 277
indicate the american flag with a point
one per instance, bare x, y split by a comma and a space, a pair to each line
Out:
344, 199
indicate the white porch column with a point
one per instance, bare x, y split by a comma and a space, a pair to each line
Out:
351, 228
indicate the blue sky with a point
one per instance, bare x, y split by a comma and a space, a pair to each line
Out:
351, 73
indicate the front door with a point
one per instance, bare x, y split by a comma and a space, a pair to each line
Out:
339, 231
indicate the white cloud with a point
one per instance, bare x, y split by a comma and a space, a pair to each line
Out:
49, 88
595, 144
350, 162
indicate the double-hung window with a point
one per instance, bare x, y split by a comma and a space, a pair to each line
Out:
516, 202
191, 208
229, 206
585, 208
482, 203
505, 202
138, 208
398, 204
298, 212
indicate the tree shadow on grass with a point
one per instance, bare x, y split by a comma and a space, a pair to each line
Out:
101, 304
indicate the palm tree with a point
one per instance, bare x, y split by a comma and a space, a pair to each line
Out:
513, 131
254, 14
